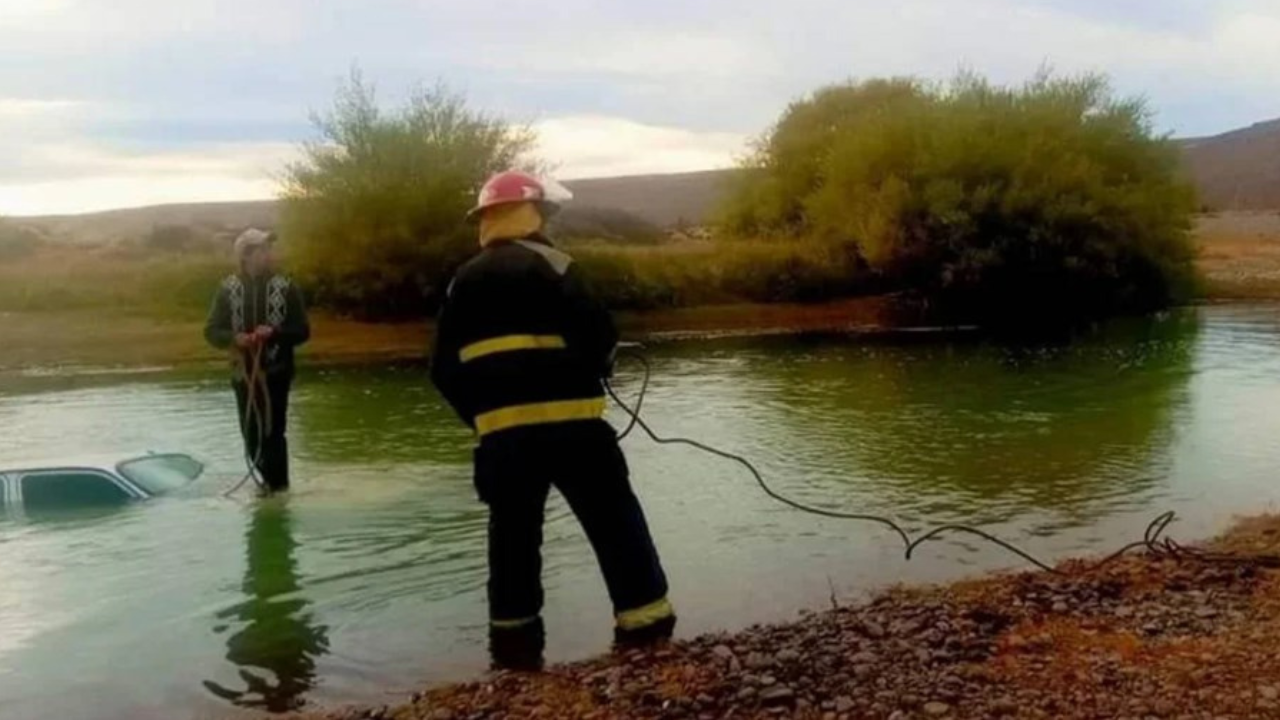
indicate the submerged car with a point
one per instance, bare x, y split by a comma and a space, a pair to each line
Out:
95, 482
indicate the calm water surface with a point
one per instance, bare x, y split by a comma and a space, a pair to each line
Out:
369, 579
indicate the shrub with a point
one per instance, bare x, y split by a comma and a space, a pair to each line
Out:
169, 238
17, 242
1052, 199
584, 222
373, 215
728, 272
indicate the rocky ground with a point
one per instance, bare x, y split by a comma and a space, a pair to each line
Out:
1141, 637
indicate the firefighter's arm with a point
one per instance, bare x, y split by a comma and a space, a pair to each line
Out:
217, 326
591, 332
446, 364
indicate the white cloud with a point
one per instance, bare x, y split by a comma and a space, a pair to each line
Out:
126, 190
619, 88
90, 177
81, 176
594, 146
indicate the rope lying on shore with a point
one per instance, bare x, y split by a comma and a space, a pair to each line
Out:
1153, 540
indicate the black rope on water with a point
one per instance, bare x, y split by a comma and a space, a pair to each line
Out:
1152, 539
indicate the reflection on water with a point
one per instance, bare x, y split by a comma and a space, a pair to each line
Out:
276, 647
998, 431
370, 577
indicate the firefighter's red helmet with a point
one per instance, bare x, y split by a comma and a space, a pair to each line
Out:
514, 186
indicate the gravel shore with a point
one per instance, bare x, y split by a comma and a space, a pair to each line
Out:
1140, 637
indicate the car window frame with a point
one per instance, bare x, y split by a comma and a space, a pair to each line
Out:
131, 491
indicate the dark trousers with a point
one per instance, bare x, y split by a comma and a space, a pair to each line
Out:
515, 469
264, 430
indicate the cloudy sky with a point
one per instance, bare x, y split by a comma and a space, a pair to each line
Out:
109, 103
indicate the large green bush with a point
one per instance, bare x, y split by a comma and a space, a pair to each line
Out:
373, 215
1049, 200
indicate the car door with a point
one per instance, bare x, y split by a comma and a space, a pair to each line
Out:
71, 488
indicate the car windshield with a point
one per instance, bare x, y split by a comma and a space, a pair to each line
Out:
158, 474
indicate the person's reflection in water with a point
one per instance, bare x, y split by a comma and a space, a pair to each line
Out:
276, 649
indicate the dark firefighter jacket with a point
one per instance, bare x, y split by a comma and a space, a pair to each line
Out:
243, 303
520, 342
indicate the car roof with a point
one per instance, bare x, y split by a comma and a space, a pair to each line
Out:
105, 463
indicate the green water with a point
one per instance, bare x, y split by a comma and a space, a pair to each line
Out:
368, 580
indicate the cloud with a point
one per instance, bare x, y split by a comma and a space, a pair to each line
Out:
592, 146
61, 176
140, 87
52, 167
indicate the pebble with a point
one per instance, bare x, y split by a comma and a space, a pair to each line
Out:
777, 695
935, 660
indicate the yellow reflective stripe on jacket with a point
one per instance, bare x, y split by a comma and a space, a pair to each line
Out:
538, 414
645, 615
509, 343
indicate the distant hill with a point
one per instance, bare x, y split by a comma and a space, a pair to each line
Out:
1238, 170
135, 223
664, 200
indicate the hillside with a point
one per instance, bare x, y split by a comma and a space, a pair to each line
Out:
1238, 170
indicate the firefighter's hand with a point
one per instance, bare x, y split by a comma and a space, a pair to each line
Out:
264, 333
245, 341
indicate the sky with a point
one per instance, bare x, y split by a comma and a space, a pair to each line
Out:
120, 103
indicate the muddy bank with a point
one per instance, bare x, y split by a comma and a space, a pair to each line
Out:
1140, 637
77, 341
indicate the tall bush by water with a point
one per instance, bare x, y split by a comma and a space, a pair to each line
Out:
372, 215
1049, 200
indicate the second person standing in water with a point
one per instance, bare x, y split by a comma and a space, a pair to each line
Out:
521, 353
258, 317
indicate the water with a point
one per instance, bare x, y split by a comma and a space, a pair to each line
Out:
369, 579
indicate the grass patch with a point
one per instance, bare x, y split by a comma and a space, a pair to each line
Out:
112, 281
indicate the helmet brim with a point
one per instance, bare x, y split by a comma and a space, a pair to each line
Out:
546, 207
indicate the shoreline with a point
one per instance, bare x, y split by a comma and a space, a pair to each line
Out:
55, 345
1142, 636
1238, 258
79, 343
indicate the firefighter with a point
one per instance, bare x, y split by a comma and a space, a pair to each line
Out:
521, 354
258, 316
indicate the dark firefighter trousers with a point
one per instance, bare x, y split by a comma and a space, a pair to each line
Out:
265, 442
514, 471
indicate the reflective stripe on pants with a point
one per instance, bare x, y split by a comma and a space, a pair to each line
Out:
543, 413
